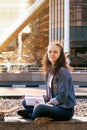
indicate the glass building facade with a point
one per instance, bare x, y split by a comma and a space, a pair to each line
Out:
78, 32
68, 25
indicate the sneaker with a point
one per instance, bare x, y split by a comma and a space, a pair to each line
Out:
1, 116
23, 113
42, 120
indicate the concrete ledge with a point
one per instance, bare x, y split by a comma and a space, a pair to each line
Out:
15, 123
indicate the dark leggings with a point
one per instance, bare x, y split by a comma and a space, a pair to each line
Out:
52, 111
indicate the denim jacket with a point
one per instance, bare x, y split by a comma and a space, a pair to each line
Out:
62, 89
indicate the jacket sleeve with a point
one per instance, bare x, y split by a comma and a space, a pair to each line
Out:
63, 86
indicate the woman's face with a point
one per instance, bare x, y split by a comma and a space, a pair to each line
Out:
53, 53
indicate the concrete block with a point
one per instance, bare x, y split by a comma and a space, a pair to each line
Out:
15, 123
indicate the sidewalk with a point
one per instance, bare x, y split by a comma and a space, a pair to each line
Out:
81, 92
36, 91
15, 91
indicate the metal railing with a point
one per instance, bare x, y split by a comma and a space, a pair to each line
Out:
19, 68
79, 69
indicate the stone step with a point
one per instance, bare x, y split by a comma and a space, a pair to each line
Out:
16, 123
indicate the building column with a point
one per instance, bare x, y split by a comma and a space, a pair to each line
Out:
56, 20
67, 26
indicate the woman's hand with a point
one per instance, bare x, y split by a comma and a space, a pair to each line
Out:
37, 102
49, 103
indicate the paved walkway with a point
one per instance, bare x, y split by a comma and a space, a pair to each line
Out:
36, 91
81, 92
9, 91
